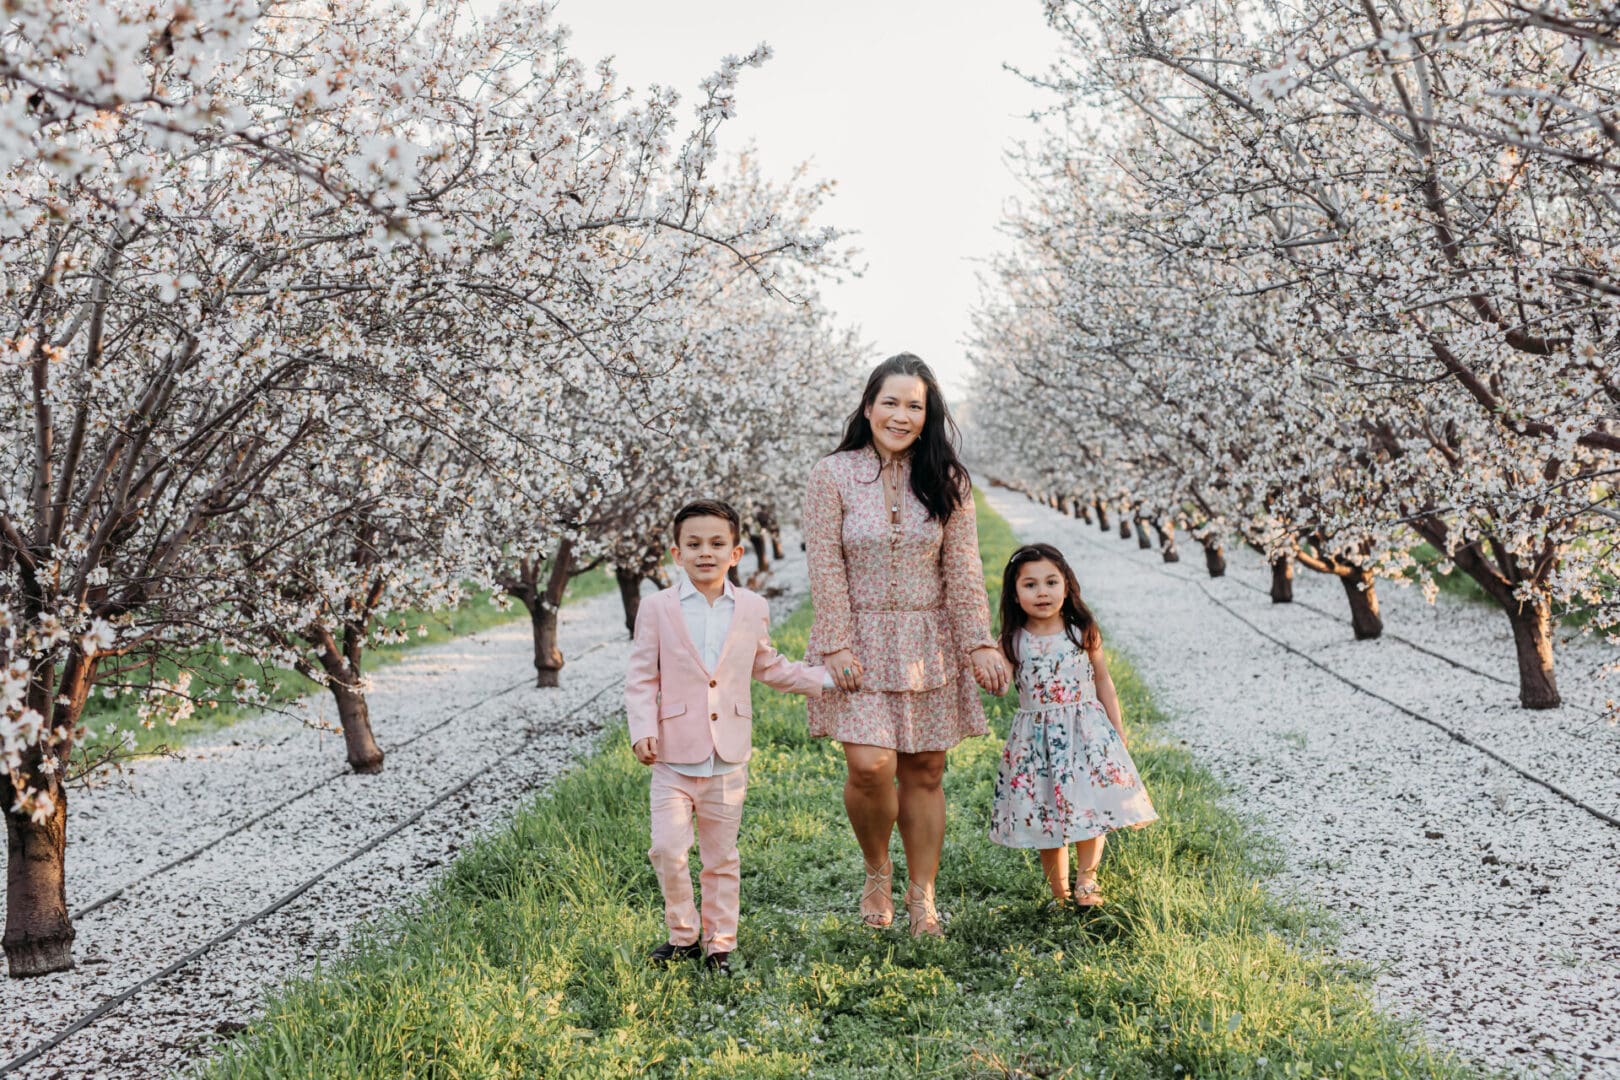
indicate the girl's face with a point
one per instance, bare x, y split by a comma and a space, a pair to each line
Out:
897, 413
1040, 589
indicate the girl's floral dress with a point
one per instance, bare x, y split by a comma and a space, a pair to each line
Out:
1064, 775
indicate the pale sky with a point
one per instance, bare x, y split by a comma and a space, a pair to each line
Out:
905, 104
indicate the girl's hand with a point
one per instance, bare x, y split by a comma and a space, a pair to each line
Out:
990, 670
845, 669
646, 750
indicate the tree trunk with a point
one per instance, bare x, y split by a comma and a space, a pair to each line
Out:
1142, 540
1102, 515
1531, 620
760, 555
1214, 558
776, 545
1167, 541
1083, 511
1124, 526
1364, 617
548, 657
39, 934
1532, 640
342, 670
629, 596
365, 756
1282, 580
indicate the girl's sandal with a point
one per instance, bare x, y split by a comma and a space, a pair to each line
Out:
879, 885
920, 911
1087, 894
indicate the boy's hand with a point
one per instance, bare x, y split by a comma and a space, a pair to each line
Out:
646, 750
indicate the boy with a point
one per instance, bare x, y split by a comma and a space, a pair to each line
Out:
697, 647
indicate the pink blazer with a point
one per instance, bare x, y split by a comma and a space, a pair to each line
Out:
693, 712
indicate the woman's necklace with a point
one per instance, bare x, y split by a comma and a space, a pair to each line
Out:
891, 487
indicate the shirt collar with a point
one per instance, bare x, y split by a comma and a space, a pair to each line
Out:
689, 590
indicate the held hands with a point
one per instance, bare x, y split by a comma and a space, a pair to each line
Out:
646, 750
990, 670
845, 670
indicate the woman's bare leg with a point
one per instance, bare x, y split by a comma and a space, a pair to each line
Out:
872, 803
922, 812
922, 833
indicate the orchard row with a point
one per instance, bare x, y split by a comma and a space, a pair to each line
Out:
317, 312
1337, 281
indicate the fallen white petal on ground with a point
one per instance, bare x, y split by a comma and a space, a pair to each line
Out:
507, 737
1488, 906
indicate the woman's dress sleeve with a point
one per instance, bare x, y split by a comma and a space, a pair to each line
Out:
963, 572
824, 552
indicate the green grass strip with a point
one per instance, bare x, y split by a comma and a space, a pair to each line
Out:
527, 958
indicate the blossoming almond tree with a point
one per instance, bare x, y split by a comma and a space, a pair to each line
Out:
384, 211
1420, 211
729, 379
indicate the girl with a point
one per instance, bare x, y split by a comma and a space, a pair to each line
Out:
1065, 776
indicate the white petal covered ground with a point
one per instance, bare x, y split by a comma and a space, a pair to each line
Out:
1488, 905
272, 818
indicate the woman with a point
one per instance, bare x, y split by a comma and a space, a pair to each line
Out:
900, 615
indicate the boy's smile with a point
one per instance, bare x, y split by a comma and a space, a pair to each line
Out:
706, 549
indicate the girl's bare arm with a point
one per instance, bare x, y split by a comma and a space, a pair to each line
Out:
1106, 693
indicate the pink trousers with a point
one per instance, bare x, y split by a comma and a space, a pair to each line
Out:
716, 803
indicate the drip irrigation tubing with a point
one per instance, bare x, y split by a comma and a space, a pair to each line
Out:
235, 830
282, 901
1572, 799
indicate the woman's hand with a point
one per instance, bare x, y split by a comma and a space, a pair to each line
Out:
990, 670
845, 669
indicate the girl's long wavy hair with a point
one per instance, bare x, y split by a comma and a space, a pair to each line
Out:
1078, 621
938, 478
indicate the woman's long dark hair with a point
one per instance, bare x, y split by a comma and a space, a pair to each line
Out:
938, 478
1077, 618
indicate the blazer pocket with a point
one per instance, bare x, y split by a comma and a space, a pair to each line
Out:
662, 715
745, 711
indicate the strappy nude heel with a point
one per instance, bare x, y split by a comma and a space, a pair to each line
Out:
920, 910
879, 884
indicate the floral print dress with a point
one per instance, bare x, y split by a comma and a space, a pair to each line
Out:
1064, 774
906, 598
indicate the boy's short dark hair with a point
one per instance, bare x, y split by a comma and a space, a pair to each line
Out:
709, 508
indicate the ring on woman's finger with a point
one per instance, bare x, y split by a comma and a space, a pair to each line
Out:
846, 671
